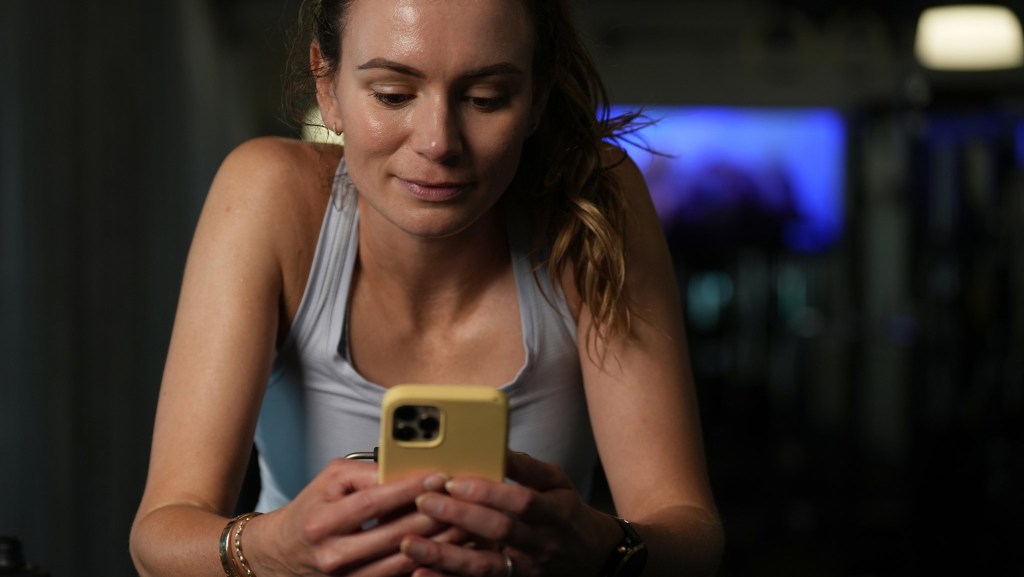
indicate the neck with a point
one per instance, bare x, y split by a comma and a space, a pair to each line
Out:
436, 277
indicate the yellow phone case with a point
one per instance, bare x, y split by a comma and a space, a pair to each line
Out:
455, 429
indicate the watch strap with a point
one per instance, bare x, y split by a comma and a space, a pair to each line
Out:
629, 556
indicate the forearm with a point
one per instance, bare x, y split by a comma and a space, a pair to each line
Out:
178, 541
681, 540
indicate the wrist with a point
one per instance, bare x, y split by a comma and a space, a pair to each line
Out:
241, 562
229, 544
628, 556
610, 535
232, 557
259, 548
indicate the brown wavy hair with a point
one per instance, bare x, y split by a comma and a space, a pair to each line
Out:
565, 177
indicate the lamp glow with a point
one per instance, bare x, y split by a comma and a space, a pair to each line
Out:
969, 37
313, 130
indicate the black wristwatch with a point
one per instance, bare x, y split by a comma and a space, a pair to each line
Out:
629, 556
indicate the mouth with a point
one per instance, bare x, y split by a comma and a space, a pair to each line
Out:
434, 191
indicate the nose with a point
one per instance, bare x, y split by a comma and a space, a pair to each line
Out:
437, 134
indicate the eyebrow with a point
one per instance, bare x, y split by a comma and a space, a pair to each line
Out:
498, 69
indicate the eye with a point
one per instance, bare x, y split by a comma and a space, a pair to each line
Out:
391, 100
488, 103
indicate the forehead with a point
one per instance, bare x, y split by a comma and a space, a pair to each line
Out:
439, 33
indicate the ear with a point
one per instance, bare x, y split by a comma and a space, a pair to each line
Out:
325, 94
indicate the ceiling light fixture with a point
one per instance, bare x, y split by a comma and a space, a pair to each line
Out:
969, 37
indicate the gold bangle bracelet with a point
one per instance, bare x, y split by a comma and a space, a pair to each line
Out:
225, 537
238, 543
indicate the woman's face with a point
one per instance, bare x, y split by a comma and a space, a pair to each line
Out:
436, 98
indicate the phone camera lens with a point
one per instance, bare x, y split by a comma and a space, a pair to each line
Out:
406, 413
416, 423
404, 432
429, 427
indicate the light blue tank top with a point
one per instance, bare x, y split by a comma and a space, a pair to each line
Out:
318, 407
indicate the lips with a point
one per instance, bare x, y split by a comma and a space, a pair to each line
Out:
434, 191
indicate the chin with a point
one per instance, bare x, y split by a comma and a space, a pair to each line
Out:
437, 226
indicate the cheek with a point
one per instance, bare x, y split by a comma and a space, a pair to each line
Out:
364, 123
377, 128
368, 130
503, 148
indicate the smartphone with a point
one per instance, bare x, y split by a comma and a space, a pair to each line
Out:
459, 430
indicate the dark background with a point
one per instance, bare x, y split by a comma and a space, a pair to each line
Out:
862, 407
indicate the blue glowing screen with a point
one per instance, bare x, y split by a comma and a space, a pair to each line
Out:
735, 176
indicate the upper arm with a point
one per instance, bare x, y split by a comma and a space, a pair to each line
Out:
640, 390
223, 338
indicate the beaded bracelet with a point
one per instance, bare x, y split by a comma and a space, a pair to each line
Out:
225, 537
238, 543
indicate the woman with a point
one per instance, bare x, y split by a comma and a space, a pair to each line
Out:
476, 230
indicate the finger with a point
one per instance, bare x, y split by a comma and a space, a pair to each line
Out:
433, 482
457, 536
350, 513
519, 500
533, 473
344, 476
452, 559
454, 536
347, 551
480, 520
395, 564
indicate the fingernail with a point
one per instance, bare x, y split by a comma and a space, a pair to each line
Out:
428, 503
458, 488
435, 482
413, 548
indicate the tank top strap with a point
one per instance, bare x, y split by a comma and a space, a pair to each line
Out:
320, 318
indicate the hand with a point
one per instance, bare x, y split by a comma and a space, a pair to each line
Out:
545, 527
321, 531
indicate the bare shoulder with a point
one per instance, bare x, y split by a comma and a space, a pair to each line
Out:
642, 232
643, 224
650, 276
273, 169
276, 185
625, 170
276, 154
